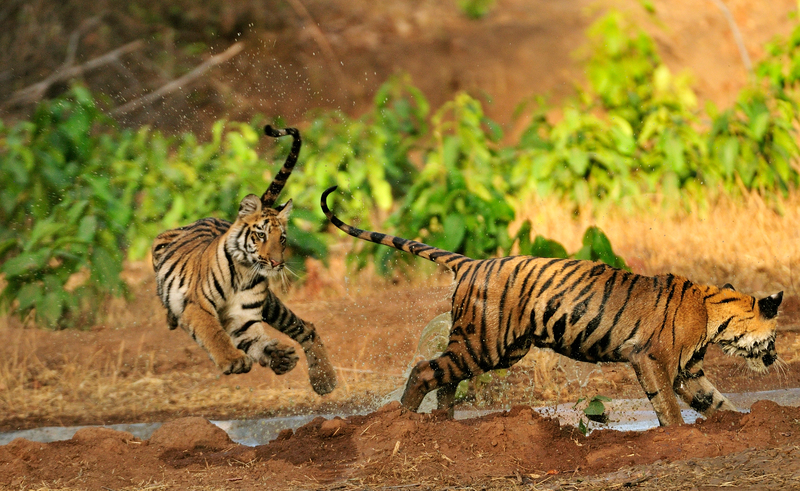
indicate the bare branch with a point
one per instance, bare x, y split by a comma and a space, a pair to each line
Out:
321, 40
35, 92
180, 82
737, 35
75, 37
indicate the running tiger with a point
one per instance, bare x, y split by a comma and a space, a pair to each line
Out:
212, 276
590, 312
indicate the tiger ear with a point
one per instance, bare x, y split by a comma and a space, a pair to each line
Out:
768, 306
728, 286
250, 204
285, 210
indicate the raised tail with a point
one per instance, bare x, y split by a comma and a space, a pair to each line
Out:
446, 258
274, 189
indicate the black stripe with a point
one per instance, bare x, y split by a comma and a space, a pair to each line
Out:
244, 327
245, 345
724, 325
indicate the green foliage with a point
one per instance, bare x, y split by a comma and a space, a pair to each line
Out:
368, 155
476, 9
636, 131
60, 212
596, 247
457, 201
595, 411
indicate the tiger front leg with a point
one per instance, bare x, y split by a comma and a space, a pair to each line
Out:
206, 329
697, 391
657, 384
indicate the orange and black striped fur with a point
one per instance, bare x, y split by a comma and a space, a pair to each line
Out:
212, 276
591, 312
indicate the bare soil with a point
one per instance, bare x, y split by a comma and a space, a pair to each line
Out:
393, 448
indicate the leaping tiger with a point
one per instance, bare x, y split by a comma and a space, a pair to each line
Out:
590, 312
212, 276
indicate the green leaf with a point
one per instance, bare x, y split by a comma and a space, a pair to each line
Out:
543, 247
454, 232
30, 295
26, 262
87, 228
105, 270
50, 309
595, 408
579, 161
596, 246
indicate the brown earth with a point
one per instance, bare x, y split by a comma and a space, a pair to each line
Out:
392, 448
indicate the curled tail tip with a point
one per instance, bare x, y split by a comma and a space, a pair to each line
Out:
324, 198
275, 133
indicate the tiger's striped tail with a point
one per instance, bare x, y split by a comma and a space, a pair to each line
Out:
274, 189
446, 258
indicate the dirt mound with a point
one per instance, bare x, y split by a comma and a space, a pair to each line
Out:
393, 446
189, 434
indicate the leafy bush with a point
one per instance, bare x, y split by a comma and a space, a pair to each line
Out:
78, 195
61, 213
636, 130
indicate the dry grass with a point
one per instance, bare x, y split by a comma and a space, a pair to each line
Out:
746, 242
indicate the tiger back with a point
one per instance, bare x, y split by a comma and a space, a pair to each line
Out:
212, 277
590, 312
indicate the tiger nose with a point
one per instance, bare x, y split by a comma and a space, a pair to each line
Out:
275, 263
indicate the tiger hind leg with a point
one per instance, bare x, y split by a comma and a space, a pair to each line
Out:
443, 373
321, 373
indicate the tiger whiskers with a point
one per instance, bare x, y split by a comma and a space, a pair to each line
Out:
284, 281
287, 269
781, 369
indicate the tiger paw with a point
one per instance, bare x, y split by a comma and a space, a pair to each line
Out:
237, 364
321, 373
281, 358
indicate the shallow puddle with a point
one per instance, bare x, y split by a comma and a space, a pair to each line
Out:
624, 415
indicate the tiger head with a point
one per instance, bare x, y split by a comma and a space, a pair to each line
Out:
745, 326
258, 237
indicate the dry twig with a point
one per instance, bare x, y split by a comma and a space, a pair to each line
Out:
180, 82
35, 92
320, 39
